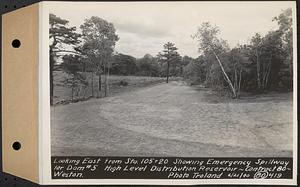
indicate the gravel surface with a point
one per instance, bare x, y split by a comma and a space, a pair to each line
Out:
174, 120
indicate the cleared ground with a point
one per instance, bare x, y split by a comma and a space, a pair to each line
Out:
174, 120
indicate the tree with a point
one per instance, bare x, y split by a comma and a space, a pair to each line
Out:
100, 38
239, 65
267, 52
256, 46
194, 69
168, 55
123, 65
148, 66
87, 61
60, 35
285, 22
210, 43
272, 60
273, 54
72, 65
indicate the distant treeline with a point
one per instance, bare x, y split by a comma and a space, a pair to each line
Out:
266, 63
122, 64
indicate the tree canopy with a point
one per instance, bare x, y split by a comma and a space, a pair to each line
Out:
264, 64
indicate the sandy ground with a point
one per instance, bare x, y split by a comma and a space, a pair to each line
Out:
174, 120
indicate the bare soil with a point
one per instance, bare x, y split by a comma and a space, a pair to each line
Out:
174, 119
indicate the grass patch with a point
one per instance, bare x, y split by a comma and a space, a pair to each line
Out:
117, 84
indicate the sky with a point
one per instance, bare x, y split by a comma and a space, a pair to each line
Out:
143, 27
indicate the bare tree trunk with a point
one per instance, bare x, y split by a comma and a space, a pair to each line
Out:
268, 72
84, 92
206, 77
263, 76
168, 71
239, 89
86, 79
258, 70
73, 80
235, 79
226, 76
99, 85
72, 93
105, 80
92, 84
267, 77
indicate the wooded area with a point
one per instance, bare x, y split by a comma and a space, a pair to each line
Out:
264, 64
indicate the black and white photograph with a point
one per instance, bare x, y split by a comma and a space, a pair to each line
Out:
172, 79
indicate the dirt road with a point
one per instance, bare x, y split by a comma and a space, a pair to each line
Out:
173, 120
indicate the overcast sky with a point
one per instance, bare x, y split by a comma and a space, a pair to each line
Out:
145, 27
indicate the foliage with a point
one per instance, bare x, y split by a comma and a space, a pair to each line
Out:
170, 60
211, 44
285, 23
99, 36
194, 70
73, 66
264, 64
148, 66
99, 40
123, 65
60, 35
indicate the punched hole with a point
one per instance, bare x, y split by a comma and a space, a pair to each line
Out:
16, 43
16, 146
